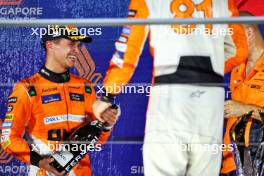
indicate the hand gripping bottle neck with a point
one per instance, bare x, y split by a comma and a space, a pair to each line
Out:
87, 134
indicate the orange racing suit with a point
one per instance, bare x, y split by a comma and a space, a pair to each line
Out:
248, 90
47, 107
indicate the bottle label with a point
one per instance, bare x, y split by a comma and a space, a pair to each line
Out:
97, 124
62, 157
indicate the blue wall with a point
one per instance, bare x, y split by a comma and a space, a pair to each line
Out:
21, 55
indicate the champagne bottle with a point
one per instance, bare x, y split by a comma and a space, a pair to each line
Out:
65, 160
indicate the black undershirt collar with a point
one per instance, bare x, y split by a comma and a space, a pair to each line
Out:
54, 77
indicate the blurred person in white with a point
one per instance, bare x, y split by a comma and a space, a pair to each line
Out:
186, 103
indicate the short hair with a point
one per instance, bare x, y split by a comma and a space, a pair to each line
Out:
56, 41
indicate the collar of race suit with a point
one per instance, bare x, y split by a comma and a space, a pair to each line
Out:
54, 77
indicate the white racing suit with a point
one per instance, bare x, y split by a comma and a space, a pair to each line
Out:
186, 103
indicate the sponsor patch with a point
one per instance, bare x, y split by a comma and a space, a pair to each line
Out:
117, 60
74, 87
132, 13
253, 86
49, 89
123, 39
63, 118
44, 72
6, 131
88, 89
50, 98
76, 97
121, 47
126, 30
7, 124
119, 54
10, 108
9, 117
4, 137
6, 143
32, 91
12, 100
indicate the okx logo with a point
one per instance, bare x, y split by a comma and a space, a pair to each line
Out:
10, 2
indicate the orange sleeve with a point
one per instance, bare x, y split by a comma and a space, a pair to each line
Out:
15, 122
104, 136
237, 41
128, 49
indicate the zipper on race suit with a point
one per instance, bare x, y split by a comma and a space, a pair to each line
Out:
67, 106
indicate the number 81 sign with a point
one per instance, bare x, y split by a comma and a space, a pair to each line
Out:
187, 9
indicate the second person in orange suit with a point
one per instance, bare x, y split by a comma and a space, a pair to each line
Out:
247, 85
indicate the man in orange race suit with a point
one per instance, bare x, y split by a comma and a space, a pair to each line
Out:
48, 106
247, 87
186, 103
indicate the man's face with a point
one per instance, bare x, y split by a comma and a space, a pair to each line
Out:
65, 52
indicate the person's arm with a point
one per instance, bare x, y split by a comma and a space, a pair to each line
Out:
109, 116
14, 126
128, 49
235, 45
235, 108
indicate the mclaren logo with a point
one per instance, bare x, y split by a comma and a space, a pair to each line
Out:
86, 66
10, 2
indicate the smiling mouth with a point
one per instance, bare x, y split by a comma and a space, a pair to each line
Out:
73, 58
